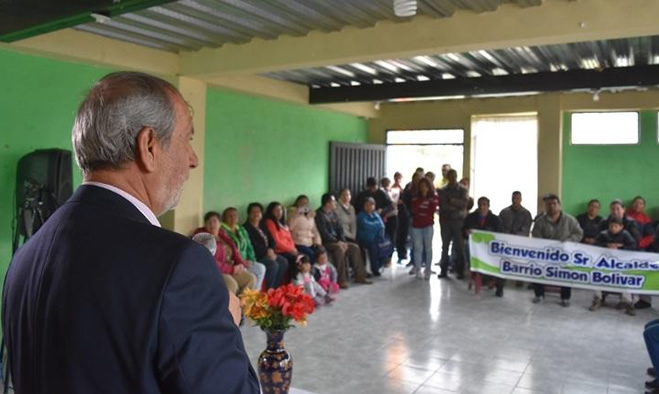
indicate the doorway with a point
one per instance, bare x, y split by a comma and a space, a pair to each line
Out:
505, 159
430, 149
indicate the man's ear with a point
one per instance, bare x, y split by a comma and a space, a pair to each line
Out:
147, 148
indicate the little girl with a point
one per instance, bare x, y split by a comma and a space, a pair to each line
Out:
305, 279
325, 273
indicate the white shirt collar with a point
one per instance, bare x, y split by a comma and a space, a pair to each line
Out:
148, 214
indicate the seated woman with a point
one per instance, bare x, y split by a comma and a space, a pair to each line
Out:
241, 239
370, 232
227, 257
482, 219
278, 230
302, 225
263, 245
347, 216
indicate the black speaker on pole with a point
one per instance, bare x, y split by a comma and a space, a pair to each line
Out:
43, 183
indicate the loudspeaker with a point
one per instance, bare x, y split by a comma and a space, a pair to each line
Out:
43, 183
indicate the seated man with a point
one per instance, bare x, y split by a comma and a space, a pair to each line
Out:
590, 222
331, 234
558, 225
516, 219
483, 219
616, 238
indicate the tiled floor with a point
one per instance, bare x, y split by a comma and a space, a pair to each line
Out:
404, 335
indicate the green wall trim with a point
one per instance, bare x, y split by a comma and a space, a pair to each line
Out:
264, 150
607, 172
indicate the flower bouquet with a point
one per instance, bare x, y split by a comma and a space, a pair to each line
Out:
277, 308
275, 311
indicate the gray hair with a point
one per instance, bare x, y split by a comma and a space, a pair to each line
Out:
208, 240
113, 113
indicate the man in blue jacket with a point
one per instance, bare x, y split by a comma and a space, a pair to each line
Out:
103, 300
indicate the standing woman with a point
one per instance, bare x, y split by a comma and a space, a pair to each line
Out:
264, 245
284, 244
370, 230
346, 214
302, 225
240, 237
424, 205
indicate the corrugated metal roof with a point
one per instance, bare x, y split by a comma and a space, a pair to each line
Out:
192, 24
520, 60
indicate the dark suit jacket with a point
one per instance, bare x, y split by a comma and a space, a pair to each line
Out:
101, 301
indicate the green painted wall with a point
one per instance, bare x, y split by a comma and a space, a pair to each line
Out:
614, 171
263, 150
38, 100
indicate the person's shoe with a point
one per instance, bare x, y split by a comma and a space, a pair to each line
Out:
363, 281
329, 299
344, 285
640, 304
419, 275
650, 371
597, 304
652, 384
427, 273
460, 277
369, 275
629, 309
499, 292
412, 271
438, 263
410, 264
565, 303
442, 275
537, 300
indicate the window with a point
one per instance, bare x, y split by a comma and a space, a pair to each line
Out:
425, 137
605, 128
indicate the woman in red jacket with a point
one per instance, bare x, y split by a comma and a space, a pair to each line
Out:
424, 205
636, 211
227, 257
276, 226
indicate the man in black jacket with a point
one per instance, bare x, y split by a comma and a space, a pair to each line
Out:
103, 300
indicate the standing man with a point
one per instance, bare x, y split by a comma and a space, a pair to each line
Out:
337, 246
558, 225
453, 201
516, 219
445, 169
103, 300
402, 228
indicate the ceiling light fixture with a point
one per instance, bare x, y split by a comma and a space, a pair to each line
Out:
405, 8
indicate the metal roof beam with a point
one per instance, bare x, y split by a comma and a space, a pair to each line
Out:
555, 22
623, 77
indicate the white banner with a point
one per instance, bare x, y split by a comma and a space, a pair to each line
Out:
563, 263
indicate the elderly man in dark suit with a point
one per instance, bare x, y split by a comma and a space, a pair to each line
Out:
103, 300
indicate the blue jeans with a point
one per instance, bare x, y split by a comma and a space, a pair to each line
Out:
309, 251
422, 240
372, 249
258, 269
275, 271
651, 336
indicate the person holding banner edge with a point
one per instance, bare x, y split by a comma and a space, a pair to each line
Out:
616, 237
557, 225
